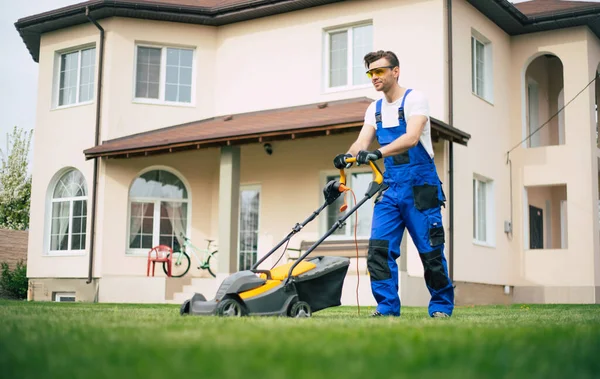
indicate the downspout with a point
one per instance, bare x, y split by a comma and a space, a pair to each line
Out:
451, 144
96, 142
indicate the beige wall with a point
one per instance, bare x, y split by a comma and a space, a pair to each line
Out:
61, 135
122, 114
486, 153
593, 47
277, 62
570, 164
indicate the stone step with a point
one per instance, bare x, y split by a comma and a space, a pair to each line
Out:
206, 286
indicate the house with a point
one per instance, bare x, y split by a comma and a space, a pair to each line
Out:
221, 119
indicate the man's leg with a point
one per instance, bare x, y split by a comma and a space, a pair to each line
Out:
426, 230
384, 248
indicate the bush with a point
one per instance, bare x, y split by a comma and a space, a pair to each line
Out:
13, 283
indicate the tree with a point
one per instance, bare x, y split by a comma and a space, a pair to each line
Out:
15, 183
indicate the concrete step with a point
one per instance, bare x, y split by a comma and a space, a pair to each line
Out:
206, 286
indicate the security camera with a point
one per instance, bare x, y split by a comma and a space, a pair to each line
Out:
268, 148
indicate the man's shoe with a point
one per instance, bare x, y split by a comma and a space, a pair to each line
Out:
379, 314
439, 315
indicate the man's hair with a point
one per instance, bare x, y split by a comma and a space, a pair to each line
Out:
377, 55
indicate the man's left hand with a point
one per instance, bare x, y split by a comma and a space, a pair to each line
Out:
365, 156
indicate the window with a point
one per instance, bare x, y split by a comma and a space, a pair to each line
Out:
158, 211
248, 234
483, 228
344, 50
76, 70
481, 67
68, 214
359, 183
164, 74
64, 297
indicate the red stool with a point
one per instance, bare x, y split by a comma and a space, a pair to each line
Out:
162, 253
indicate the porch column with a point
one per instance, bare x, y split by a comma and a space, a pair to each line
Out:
229, 194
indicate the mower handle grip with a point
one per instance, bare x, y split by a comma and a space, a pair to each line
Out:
377, 176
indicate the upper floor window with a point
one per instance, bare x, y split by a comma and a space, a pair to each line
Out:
76, 71
481, 66
164, 74
345, 49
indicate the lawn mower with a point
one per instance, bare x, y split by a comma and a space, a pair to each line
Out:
294, 289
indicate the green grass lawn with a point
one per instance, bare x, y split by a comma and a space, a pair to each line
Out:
51, 340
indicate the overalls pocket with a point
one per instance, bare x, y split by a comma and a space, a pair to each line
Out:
426, 189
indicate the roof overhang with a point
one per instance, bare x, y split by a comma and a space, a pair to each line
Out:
506, 15
314, 120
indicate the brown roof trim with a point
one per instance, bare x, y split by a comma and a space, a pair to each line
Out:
313, 120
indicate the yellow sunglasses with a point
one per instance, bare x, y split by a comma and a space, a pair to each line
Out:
379, 71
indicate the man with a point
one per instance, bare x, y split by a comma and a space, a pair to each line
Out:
400, 121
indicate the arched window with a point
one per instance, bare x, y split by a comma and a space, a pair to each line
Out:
69, 213
158, 211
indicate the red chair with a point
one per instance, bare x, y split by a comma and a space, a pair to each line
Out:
162, 253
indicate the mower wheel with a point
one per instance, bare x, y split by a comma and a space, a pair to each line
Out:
300, 309
230, 308
185, 308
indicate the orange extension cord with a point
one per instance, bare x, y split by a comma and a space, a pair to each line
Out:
355, 243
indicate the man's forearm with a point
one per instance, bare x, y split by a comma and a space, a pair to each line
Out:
356, 147
400, 145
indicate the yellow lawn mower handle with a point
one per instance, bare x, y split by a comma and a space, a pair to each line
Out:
377, 176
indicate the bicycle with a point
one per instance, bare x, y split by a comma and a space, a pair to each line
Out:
181, 262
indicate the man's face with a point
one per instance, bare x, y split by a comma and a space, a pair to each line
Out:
383, 76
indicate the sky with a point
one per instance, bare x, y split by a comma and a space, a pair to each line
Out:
18, 71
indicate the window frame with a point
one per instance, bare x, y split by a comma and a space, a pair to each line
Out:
50, 202
490, 213
156, 215
59, 295
487, 75
323, 227
56, 80
163, 74
326, 60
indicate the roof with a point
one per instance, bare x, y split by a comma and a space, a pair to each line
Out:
545, 7
514, 19
311, 120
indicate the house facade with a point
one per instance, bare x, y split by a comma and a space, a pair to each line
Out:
220, 120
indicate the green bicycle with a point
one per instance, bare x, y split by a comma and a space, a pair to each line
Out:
181, 261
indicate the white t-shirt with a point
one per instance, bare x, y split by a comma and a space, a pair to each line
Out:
415, 104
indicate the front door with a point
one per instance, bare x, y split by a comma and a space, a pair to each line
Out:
536, 228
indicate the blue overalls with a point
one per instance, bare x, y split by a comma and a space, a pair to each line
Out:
412, 201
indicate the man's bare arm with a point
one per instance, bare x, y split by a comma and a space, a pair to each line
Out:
414, 128
364, 140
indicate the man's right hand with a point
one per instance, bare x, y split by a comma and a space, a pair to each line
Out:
340, 161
